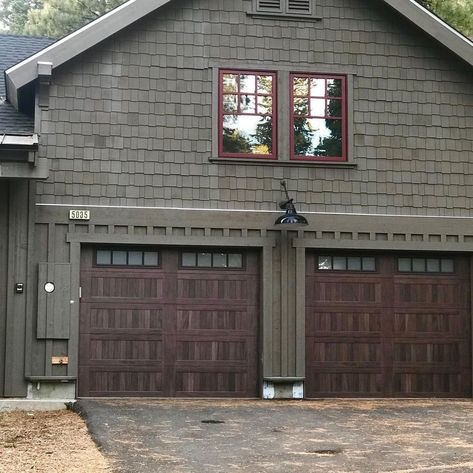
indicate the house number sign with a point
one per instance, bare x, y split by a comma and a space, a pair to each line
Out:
79, 214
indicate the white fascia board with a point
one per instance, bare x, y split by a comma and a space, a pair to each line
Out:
76, 43
19, 140
435, 27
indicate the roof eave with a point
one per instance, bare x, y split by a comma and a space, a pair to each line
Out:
435, 27
81, 40
76, 43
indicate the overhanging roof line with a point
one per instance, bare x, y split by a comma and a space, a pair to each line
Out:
76, 43
435, 27
114, 21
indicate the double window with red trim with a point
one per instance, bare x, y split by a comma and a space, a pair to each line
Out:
248, 118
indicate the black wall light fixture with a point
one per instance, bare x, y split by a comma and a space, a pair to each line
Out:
291, 217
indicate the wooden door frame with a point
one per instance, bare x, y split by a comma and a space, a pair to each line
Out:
302, 244
3, 280
265, 245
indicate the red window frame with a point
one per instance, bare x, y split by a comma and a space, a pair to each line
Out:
239, 93
326, 97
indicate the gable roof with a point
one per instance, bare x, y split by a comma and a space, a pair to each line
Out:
12, 50
112, 22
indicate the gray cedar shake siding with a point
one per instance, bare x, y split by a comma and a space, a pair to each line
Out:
130, 130
130, 122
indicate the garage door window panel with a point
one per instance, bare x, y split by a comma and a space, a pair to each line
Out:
127, 257
214, 260
346, 263
425, 265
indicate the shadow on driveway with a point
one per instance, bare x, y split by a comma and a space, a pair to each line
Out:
257, 436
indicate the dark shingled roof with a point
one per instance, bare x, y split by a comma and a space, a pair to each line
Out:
14, 49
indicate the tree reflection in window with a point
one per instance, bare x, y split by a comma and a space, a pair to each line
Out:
318, 116
246, 120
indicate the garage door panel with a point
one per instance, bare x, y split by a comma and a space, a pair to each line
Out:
427, 353
353, 352
429, 323
346, 291
416, 336
346, 384
207, 289
117, 381
338, 321
223, 319
411, 292
428, 384
211, 350
113, 317
124, 349
208, 384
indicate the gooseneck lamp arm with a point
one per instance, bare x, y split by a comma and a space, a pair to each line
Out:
291, 217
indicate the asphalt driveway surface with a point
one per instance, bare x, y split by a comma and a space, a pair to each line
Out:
259, 436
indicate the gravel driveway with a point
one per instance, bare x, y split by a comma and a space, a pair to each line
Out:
258, 436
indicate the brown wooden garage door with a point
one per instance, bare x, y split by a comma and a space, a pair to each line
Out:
388, 326
157, 322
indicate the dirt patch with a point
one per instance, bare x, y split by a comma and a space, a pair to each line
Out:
53, 442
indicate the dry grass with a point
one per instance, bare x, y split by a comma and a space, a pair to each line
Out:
53, 442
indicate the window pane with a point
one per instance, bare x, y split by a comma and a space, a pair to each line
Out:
151, 258
104, 257
334, 108
369, 263
404, 264
418, 265
339, 263
334, 87
235, 260
265, 105
247, 103
317, 87
135, 258
433, 266
265, 84
301, 86
230, 83
230, 103
248, 83
354, 263
447, 266
325, 262
247, 134
318, 137
220, 260
301, 106
204, 260
189, 259
317, 107
119, 257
